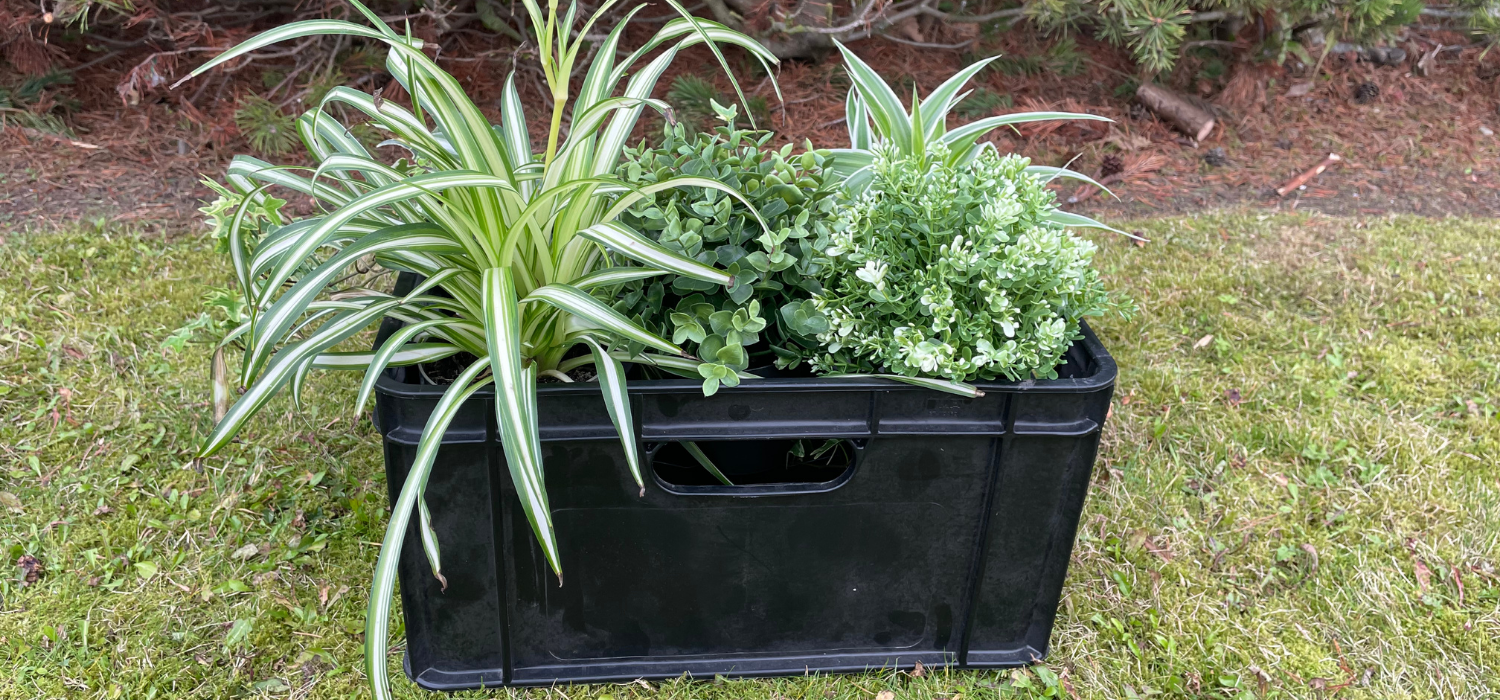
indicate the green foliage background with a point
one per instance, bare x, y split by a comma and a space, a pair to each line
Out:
1155, 30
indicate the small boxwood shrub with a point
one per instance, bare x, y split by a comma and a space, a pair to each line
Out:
954, 271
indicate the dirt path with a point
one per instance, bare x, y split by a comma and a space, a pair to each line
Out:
47, 183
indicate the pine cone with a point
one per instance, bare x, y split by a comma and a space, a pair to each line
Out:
28, 56
1110, 165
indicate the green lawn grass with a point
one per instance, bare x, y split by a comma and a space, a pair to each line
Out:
1297, 497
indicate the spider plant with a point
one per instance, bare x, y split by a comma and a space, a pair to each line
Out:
521, 243
876, 119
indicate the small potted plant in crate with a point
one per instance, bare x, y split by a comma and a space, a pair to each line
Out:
850, 521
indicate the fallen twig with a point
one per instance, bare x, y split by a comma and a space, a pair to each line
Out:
926, 44
1302, 179
1428, 60
37, 133
1176, 110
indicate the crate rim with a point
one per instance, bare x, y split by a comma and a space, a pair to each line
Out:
1104, 376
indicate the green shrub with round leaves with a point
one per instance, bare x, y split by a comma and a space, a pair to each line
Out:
767, 314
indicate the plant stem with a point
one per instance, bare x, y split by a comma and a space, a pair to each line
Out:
558, 101
550, 359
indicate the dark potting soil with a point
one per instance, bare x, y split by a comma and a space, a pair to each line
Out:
444, 371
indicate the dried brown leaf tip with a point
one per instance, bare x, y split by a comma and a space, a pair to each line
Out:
1312, 553
1424, 575
31, 569
1155, 544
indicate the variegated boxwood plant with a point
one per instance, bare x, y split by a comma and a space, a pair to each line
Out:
951, 261
775, 270
955, 271
523, 244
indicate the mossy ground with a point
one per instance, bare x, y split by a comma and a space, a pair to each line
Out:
1298, 494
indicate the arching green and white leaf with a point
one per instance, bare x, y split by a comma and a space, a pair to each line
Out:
611, 375
598, 315
378, 614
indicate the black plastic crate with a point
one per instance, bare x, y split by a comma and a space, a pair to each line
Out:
945, 540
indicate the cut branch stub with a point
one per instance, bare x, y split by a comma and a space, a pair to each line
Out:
1176, 110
